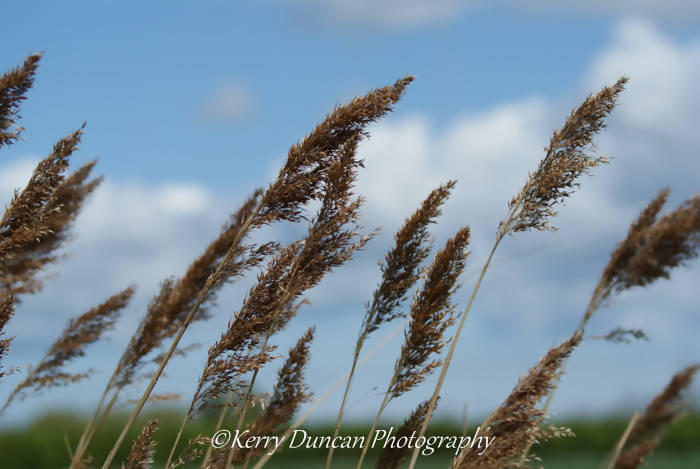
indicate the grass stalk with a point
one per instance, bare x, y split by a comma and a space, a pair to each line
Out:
623, 440
181, 332
331, 389
336, 430
450, 352
219, 423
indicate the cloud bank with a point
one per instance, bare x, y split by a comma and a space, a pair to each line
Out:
417, 13
136, 232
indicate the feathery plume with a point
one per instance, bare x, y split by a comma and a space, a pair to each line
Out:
290, 391
515, 425
635, 456
400, 271
431, 314
143, 449
652, 248
192, 452
54, 220
168, 309
7, 309
33, 225
567, 158
664, 409
332, 238
300, 179
312, 169
393, 456
84, 330
646, 432
13, 90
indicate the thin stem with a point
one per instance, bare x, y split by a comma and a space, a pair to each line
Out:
179, 435
288, 293
623, 440
249, 392
329, 392
450, 353
385, 401
365, 447
190, 317
12, 396
219, 423
91, 428
355, 357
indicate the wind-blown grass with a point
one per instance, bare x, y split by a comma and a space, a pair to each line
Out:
316, 187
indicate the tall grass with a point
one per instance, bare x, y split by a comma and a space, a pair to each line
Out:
320, 173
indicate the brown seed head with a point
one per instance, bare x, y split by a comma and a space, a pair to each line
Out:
567, 157
431, 314
652, 248
516, 423
393, 456
13, 90
7, 309
401, 266
144, 448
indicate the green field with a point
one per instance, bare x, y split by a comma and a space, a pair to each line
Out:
43, 444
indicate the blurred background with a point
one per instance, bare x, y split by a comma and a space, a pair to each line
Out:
192, 105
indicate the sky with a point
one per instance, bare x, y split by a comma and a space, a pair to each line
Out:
191, 105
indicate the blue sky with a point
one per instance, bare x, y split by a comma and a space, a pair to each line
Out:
190, 105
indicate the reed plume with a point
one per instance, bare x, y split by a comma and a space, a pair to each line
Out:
299, 181
36, 222
289, 392
168, 310
144, 448
332, 238
14, 86
569, 155
301, 178
432, 312
647, 431
7, 310
635, 456
652, 248
393, 456
80, 332
400, 271
401, 266
514, 426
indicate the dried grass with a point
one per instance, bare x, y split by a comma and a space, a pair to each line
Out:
80, 332
646, 433
143, 449
14, 86
321, 171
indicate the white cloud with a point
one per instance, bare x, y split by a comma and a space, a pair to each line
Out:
668, 9
538, 284
229, 103
393, 13
662, 97
15, 176
410, 13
